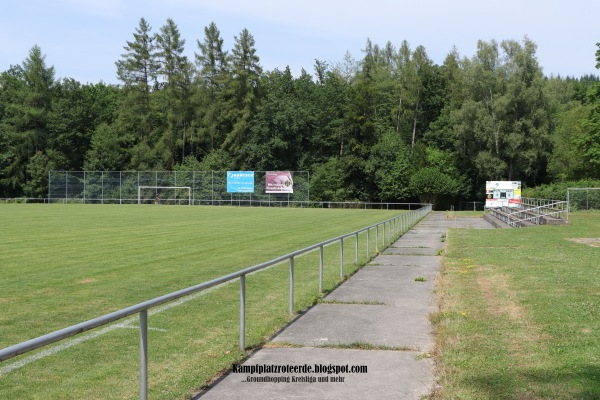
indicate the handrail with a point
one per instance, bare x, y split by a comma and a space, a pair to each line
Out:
397, 225
550, 203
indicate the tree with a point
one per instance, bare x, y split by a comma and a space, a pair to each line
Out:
213, 73
503, 124
588, 144
435, 187
174, 96
138, 70
328, 182
389, 166
25, 122
566, 161
243, 92
105, 153
283, 122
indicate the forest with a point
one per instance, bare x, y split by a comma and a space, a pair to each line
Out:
392, 126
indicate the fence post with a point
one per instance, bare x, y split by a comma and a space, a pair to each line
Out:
243, 312
292, 285
341, 257
356, 249
144, 355
368, 234
321, 269
377, 238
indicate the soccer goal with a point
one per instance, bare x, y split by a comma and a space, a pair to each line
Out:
175, 195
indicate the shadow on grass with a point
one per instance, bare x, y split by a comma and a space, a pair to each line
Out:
582, 382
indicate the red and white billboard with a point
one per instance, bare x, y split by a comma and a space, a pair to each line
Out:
279, 182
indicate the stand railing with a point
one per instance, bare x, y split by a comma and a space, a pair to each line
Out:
533, 211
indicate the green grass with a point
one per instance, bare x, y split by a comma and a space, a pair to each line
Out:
520, 313
60, 265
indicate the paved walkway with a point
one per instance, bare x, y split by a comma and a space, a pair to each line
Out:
378, 319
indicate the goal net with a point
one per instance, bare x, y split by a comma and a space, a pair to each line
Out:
172, 195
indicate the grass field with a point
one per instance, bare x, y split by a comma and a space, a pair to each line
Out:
520, 313
60, 265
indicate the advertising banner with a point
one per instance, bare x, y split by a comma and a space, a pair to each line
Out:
240, 181
279, 182
502, 193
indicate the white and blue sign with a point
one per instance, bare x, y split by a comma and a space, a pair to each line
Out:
240, 181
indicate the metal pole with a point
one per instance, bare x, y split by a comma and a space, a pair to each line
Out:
368, 241
291, 285
102, 180
144, 355
341, 257
377, 238
321, 269
356, 249
242, 312
308, 188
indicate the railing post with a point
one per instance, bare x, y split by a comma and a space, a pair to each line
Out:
368, 241
321, 269
341, 257
144, 355
356, 249
384, 241
377, 238
291, 285
242, 312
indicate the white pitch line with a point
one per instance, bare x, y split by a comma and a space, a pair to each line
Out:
65, 344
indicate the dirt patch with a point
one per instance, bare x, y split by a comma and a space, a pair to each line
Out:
496, 305
594, 242
86, 281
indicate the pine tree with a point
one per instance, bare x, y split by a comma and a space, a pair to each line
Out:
175, 94
243, 95
138, 70
25, 124
213, 73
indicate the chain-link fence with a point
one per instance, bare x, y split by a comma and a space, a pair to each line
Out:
166, 187
581, 199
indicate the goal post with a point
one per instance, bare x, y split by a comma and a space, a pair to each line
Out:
165, 194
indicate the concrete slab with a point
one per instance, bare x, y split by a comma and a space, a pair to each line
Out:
399, 327
423, 251
390, 285
404, 260
390, 375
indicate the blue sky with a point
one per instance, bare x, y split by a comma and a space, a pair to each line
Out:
84, 39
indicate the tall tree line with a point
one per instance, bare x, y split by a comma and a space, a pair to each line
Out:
392, 126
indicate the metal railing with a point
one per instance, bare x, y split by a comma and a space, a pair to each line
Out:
533, 210
392, 228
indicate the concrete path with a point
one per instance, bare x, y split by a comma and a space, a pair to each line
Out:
376, 321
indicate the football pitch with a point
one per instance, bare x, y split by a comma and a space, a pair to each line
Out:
64, 264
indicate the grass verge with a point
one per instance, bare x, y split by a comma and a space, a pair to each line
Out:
519, 313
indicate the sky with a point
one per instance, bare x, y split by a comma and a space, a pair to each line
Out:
83, 39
